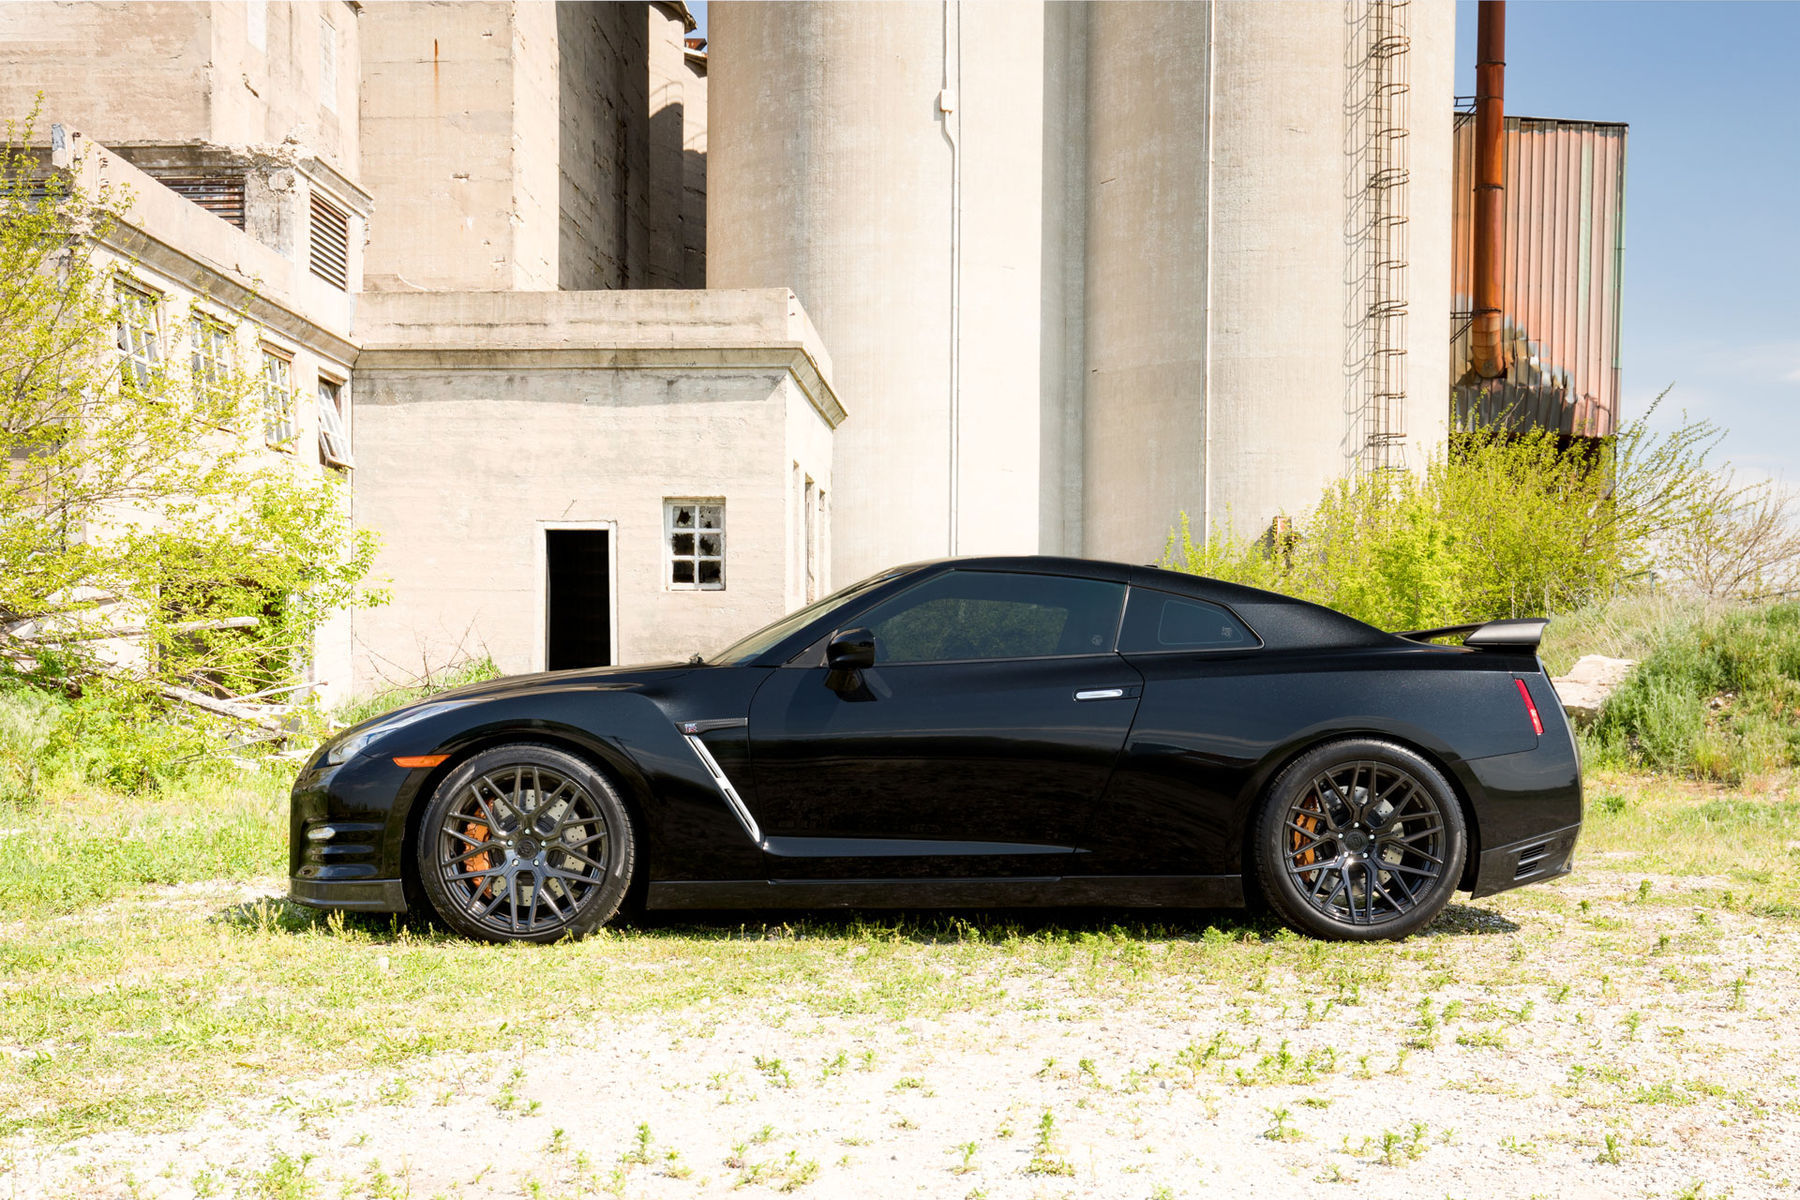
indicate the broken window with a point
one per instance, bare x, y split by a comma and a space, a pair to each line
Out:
334, 426
695, 536
139, 335
212, 357
279, 427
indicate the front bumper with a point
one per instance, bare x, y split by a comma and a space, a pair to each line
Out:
352, 895
347, 834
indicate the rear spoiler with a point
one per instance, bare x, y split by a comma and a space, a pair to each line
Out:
1510, 633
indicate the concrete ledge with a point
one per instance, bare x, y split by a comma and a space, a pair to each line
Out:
756, 328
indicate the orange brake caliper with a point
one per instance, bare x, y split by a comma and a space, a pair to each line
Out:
480, 862
1310, 855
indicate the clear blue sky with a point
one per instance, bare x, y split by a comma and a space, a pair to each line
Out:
1712, 194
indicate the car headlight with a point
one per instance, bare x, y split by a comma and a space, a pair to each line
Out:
349, 748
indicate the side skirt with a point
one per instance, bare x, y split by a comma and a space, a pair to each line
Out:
1151, 891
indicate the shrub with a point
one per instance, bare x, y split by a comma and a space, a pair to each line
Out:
1495, 525
1718, 696
473, 671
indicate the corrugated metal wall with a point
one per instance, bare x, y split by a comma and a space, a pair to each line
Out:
1562, 262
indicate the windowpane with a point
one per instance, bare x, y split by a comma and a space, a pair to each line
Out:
1157, 621
139, 340
334, 435
696, 560
212, 356
279, 428
988, 615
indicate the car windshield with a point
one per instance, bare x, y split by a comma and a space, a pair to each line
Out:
745, 649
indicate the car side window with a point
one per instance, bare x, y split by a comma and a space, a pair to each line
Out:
963, 615
1157, 622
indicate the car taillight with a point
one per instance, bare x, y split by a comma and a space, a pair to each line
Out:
1537, 722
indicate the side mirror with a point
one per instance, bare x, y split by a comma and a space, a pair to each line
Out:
850, 650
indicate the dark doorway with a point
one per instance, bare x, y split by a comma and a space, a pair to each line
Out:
579, 562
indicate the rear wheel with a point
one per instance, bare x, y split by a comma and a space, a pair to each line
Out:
1359, 840
525, 843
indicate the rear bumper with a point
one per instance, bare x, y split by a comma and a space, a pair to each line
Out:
1531, 860
359, 895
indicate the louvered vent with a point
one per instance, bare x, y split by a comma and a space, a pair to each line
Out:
220, 195
330, 244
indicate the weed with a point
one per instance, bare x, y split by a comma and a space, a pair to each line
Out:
967, 1150
1280, 1129
1044, 1159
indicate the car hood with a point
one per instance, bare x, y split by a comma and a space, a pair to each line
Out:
609, 678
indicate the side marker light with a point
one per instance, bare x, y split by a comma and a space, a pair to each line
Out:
1537, 722
425, 760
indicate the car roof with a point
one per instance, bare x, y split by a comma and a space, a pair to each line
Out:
1281, 621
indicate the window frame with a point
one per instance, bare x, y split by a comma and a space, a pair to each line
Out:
328, 64
1111, 650
1256, 642
290, 412
338, 427
139, 363
670, 558
205, 330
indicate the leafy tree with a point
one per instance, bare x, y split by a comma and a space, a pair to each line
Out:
1497, 524
148, 541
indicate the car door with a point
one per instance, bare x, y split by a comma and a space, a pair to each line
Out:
977, 745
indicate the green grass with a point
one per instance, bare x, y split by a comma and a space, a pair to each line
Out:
128, 1004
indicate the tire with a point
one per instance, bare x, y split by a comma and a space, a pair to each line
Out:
525, 843
1359, 840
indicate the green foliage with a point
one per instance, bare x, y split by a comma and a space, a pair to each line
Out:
1718, 696
1496, 525
148, 541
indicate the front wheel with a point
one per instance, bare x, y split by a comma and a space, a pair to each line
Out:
525, 843
1359, 840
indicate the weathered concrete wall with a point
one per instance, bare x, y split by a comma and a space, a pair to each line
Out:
437, 145
693, 174
175, 71
506, 145
602, 118
666, 133
487, 417
841, 184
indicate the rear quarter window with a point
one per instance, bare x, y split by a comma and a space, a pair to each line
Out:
1159, 623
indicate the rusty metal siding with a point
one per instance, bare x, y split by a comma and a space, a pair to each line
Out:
1562, 264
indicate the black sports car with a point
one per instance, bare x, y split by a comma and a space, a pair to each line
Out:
976, 731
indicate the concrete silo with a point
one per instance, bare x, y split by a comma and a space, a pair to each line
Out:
1156, 258
883, 161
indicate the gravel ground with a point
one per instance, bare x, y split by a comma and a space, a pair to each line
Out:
1610, 1035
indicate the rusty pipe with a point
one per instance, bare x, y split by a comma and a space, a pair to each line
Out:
1490, 186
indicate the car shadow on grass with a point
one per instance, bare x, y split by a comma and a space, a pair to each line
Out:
277, 914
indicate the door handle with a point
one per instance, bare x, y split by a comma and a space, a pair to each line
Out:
1112, 693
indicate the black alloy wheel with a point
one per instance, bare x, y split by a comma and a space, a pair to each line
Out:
525, 843
1359, 840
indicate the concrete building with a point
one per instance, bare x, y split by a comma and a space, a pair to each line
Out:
1085, 267
1071, 270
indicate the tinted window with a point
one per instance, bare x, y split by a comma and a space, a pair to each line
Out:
1157, 621
989, 614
